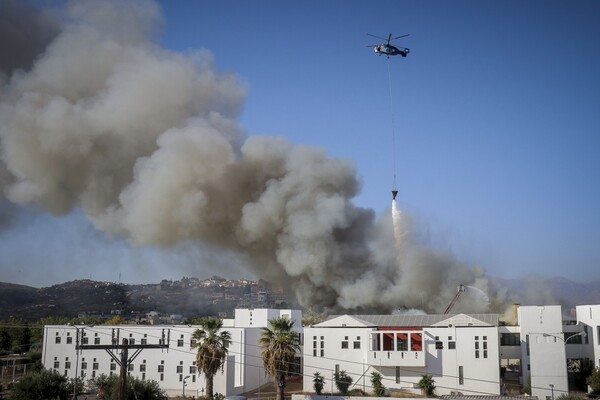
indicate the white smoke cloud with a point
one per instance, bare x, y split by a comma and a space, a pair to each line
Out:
146, 141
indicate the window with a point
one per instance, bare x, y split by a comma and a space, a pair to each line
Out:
67, 364
131, 340
345, 342
180, 369
144, 341
193, 378
322, 353
142, 367
57, 340
452, 345
130, 367
461, 379
113, 366
180, 377
56, 364
96, 340
143, 375
402, 341
69, 340
484, 349
439, 345
416, 342
162, 377
83, 365
95, 366
510, 339
161, 368
84, 340
192, 369
357, 343
179, 342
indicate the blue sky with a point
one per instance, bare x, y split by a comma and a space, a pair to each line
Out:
496, 110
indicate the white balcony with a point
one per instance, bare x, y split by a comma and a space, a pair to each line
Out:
397, 358
402, 348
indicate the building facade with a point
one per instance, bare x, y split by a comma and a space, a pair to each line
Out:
477, 354
457, 350
173, 365
465, 354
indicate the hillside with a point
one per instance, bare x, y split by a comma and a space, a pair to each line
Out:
189, 297
192, 297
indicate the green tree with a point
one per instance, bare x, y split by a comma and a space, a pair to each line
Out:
279, 346
427, 385
594, 381
342, 381
24, 339
212, 348
75, 385
5, 340
42, 385
116, 320
318, 382
378, 387
108, 387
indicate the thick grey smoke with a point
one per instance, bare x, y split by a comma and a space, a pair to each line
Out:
24, 34
146, 142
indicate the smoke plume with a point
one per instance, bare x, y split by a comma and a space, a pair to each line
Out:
146, 142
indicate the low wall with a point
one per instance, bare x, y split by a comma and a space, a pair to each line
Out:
323, 397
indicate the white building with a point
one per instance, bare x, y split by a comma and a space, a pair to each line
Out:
465, 354
461, 352
172, 367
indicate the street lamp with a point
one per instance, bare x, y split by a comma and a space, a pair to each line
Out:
184, 385
582, 334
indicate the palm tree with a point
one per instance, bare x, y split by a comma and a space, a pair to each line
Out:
212, 349
279, 346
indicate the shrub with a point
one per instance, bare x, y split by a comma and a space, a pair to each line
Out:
427, 385
144, 390
378, 387
41, 385
594, 381
566, 396
343, 381
318, 382
357, 392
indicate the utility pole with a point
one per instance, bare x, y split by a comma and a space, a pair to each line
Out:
124, 361
123, 376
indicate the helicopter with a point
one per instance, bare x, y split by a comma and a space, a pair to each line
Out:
389, 49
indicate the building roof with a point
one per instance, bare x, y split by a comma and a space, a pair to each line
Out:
345, 321
430, 320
